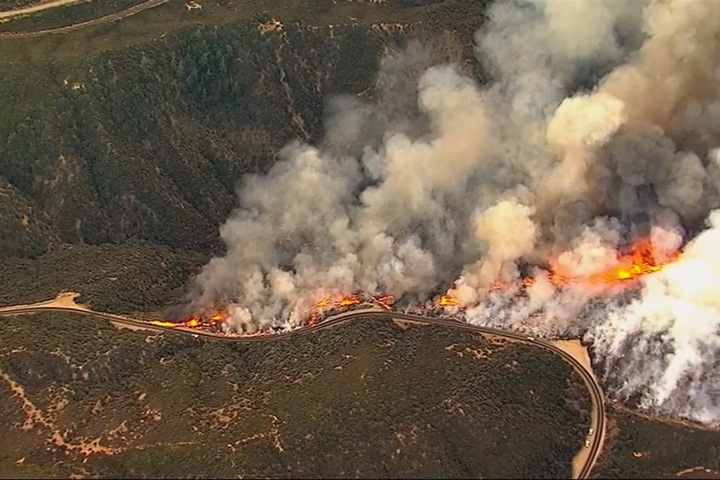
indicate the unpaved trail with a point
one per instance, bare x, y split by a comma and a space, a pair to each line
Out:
35, 417
575, 349
37, 8
113, 17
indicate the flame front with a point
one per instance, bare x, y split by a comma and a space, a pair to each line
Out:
385, 301
162, 323
348, 301
640, 260
447, 301
192, 322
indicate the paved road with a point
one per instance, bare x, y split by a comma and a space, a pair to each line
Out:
96, 21
598, 422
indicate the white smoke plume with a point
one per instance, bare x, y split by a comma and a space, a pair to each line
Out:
599, 127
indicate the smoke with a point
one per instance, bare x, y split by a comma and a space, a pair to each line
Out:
665, 344
598, 128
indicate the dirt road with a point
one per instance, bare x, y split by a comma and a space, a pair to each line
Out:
37, 8
96, 21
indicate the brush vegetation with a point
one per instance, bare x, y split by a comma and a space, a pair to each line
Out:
121, 148
367, 398
639, 446
149, 142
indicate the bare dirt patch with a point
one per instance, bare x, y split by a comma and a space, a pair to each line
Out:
579, 352
401, 323
698, 472
63, 300
34, 416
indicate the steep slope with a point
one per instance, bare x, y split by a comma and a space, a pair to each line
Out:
149, 142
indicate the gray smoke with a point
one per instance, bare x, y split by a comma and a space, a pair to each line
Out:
599, 127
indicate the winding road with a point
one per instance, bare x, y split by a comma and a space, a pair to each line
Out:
598, 420
95, 21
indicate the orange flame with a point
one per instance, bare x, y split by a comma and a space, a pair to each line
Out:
447, 301
639, 260
161, 323
348, 301
192, 322
385, 301
323, 303
313, 317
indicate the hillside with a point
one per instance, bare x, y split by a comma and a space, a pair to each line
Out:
644, 447
367, 399
128, 278
149, 141
122, 147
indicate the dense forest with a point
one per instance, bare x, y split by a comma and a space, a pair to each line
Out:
135, 277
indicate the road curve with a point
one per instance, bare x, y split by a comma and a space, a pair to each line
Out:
591, 382
95, 21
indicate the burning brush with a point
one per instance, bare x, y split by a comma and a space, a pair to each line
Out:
639, 260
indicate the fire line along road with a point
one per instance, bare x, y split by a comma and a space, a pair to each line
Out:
598, 419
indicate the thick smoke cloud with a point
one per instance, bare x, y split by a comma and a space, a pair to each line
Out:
598, 128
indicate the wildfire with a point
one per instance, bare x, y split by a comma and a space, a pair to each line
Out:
325, 302
313, 317
385, 301
192, 322
447, 301
337, 302
637, 261
161, 323
348, 301
640, 260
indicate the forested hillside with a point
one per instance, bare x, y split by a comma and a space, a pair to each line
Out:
367, 399
150, 141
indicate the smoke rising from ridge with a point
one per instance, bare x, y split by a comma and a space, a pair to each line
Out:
599, 127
